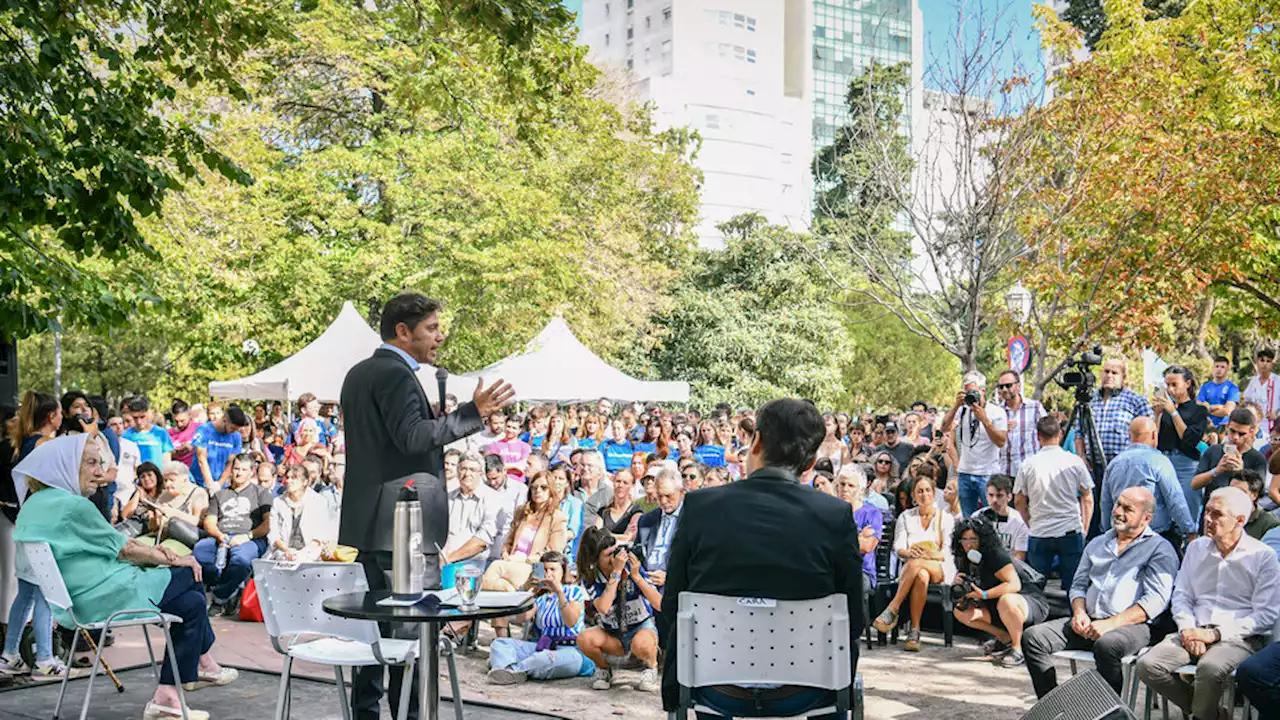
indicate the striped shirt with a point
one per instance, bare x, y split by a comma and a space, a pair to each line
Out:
548, 618
1023, 441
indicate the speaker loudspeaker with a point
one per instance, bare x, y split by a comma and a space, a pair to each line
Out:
1085, 697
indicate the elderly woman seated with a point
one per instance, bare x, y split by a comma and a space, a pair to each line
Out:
106, 572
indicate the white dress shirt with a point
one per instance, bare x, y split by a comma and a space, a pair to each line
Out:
1053, 480
474, 516
1239, 593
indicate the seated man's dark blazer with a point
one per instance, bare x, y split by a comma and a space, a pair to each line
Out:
647, 532
393, 434
768, 537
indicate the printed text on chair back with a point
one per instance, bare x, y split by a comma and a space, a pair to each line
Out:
42, 563
292, 596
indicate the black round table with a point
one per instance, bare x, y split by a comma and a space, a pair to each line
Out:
364, 606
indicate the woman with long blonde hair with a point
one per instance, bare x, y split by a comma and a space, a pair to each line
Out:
591, 433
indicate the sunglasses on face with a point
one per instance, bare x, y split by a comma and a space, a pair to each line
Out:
884, 462
1005, 386
690, 476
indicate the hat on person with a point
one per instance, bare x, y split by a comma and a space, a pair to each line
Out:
891, 427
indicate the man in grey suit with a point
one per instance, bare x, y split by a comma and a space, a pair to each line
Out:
393, 435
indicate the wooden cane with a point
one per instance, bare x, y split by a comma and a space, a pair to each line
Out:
93, 647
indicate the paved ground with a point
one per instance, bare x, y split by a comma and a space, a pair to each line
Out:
953, 683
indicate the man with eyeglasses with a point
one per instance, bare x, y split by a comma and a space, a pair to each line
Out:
656, 528
1023, 413
473, 516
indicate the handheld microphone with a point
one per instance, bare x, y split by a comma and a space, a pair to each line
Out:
441, 376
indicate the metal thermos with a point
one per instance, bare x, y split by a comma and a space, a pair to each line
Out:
407, 561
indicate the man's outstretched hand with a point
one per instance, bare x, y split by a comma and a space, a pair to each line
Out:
493, 398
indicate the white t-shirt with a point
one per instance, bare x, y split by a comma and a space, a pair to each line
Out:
1267, 395
1012, 529
978, 454
1052, 480
127, 470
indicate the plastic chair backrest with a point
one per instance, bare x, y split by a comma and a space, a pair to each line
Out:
291, 596
45, 567
725, 640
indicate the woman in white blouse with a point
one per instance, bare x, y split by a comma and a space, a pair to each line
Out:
921, 539
302, 525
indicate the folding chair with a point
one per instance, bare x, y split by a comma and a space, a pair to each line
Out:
39, 557
292, 596
733, 641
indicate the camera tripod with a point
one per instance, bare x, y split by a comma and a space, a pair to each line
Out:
1093, 456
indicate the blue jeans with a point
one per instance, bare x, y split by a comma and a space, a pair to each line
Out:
1259, 680
30, 599
193, 636
1067, 549
1185, 467
973, 492
239, 565
797, 704
562, 662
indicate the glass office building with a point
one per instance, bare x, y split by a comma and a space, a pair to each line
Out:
848, 35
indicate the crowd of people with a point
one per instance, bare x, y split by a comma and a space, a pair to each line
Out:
582, 504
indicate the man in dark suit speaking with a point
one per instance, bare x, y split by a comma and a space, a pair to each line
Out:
392, 435
745, 540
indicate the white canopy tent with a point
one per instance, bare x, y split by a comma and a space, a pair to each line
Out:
556, 367
318, 368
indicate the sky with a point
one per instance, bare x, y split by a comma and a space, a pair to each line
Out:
1003, 25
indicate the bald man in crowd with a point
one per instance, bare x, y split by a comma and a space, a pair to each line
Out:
1141, 465
1123, 583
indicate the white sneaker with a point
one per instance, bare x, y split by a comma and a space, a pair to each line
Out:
603, 679
54, 669
11, 665
648, 680
505, 676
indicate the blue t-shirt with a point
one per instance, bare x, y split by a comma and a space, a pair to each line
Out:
220, 446
588, 443
1218, 394
644, 447
635, 609
617, 455
152, 444
710, 455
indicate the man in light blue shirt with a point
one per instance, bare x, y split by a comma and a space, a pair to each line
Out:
1123, 583
1141, 465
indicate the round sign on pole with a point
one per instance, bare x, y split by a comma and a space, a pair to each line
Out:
1019, 353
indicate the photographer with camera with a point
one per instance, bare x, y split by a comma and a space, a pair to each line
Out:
624, 601
992, 593
981, 431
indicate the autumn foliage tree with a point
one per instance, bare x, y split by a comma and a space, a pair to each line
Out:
1158, 160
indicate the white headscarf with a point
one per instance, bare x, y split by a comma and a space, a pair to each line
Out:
55, 463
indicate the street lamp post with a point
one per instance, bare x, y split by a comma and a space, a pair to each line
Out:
1018, 302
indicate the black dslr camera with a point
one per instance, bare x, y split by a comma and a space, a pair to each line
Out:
972, 397
959, 592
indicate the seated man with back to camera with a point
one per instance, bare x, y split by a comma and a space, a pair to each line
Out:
1225, 600
1122, 584
740, 540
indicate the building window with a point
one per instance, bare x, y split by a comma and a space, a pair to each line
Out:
648, 23
751, 56
713, 121
630, 63
606, 39
751, 24
666, 15
631, 4
739, 52
646, 54
723, 50
739, 20
606, 9
750, 91
725, 17
631, 33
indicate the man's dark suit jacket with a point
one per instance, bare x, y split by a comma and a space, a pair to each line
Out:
391, 435
647, 532
766, 536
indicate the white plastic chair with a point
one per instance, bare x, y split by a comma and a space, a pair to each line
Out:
725, 640
291, 597
40, 558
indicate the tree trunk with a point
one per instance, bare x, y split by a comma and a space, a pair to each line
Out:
1204, 317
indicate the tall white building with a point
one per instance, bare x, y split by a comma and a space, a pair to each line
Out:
1055, 62
737, 71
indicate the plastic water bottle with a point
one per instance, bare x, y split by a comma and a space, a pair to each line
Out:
221, 562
